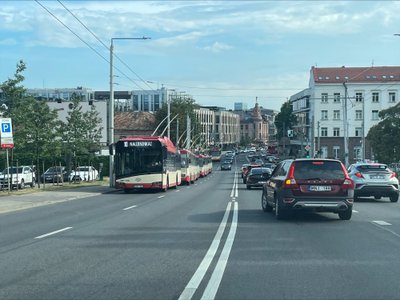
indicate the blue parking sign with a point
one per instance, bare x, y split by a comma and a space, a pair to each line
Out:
6, 127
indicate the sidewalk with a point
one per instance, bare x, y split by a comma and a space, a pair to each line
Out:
33, 197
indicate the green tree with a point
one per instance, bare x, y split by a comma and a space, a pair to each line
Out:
81, 133
181, 106
285, 120
34, 124
384, 137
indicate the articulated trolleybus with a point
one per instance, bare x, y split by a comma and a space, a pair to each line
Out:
146, 162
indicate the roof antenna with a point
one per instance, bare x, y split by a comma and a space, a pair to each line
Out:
372, 62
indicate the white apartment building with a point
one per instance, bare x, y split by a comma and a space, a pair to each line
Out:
344, 102
219, 126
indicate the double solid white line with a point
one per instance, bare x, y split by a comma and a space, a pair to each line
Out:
216, 277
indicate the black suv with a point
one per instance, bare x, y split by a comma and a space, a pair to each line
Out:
309, 184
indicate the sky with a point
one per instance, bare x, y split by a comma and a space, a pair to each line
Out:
219, 52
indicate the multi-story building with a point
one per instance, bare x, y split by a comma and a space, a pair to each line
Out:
219, 126
341, 105
255, 125
61, 94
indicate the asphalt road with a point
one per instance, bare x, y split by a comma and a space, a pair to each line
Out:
209, 240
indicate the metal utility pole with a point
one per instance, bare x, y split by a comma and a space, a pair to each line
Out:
318, 139
111, 109
363, 129
188, 132
346, 146
169, 117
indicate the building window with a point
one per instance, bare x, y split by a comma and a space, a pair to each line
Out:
359, 97
324, 97
336, 152
336, 97
359, 114
375, 97
324, 131
375, 115
392, 97
358, 131
336, 114
336, 131
357, 153
324, 115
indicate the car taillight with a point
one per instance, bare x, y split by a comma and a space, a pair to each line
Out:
393, 175
359, 175
290, 182
348, 184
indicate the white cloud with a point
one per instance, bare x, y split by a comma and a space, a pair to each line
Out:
8, 42
218, 47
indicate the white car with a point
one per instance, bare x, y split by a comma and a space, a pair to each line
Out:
18, 176
85, 173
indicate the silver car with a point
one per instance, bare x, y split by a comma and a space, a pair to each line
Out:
374, 179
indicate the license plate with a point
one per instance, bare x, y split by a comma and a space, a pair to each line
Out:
320, 188
377, 177
138, 186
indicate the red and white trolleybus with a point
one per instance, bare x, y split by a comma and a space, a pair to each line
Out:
146, 162
190, 166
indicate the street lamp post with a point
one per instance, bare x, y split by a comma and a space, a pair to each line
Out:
111, 109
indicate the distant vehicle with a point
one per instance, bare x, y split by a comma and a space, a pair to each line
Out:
309, 184
147, 163
215, 154
243, 169
57, 174
84, 173
248, 169
226, 165
18, 177
257, 177
373, 179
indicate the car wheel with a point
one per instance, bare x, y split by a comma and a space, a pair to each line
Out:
394, 198
355, 198
346, 214
377, 197
264, 203
33, 183
248, 187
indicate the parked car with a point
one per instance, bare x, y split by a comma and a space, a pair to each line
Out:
18, 177
257, 177
373, 179
309, 185
55, 174
85, 173
226, 165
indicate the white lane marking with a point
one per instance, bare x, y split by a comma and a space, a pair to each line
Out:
216, 277
382, 223
355, 211
51, 233
177, 191
381, 226
234, 192
197, 277
130, 207
159, 197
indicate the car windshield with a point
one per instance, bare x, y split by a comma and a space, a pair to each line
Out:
373, 168
54, 170
318, 170
13, 170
